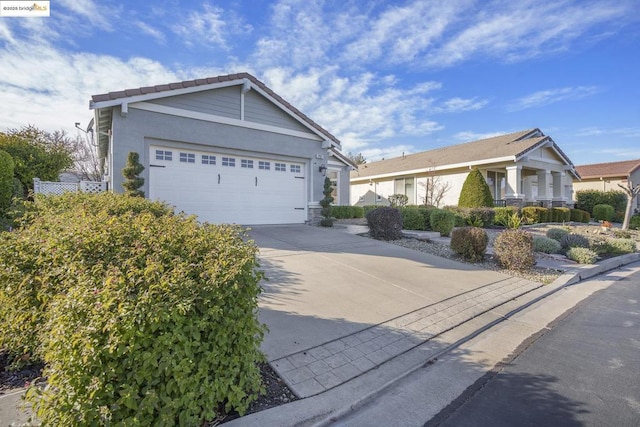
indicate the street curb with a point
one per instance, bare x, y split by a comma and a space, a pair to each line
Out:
567, 279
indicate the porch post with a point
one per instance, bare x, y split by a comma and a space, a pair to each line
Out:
544, 179
526, 188
513, 193
558, 181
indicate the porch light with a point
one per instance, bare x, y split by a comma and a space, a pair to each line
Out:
322, 169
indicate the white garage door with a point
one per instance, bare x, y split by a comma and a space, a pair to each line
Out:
223, 188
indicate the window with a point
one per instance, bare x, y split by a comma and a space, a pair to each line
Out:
294, 168
164, 155
187, 157
246, 163
406, 186
229, 161
264, 165
208, 160
281, 167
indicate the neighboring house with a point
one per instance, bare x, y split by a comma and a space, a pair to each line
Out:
521, 168
607, 176
227, 149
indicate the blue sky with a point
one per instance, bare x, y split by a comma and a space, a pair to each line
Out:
385, 77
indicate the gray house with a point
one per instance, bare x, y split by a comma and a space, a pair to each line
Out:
227, 149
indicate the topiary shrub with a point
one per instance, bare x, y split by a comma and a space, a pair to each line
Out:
470, 243
634, 222
326, 211
385, 223
347, 212
573, 240
412, 218
131, 172
603, 212
546, 245
535, 215
502, 215
144, 319
442, 221
513, 250
475, 192
556, 233
582, 255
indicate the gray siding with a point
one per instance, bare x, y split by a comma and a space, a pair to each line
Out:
259, 109
223, 102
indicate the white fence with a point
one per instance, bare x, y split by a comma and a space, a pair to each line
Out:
48, 187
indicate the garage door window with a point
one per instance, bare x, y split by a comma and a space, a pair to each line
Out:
281, 167
264, 165
208, 160
246, 163
294, 168
187, 157
164, 155
229, 161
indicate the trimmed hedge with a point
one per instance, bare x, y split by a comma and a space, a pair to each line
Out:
470, 243
385, 223
578, 215
347, 212
560, 215
442, 221
603, 212
140, 318
535, 215
412, 218
503, 215
478, 217
634, 222
513, 249
587, 199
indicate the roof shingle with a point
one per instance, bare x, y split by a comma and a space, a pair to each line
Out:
608, 170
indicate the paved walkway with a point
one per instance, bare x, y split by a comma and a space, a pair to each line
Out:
328, 365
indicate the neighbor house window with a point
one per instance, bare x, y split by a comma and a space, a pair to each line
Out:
406, 186
281, 167
164, 155
294, 168
264, 165
229, 161
244, 163
208, 160
187, 158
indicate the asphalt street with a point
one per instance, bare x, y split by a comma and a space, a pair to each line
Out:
583, 371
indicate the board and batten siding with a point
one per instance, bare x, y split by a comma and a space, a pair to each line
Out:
259, 109
224, 102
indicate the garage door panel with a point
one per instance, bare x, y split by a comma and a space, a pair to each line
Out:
224, 194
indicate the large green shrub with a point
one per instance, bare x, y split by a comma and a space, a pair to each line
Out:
578, 215
513, 250
603, 212
587, 199
6, 180
546, 245
502, 215
426, 215
560, 215
347, 212
442, 221
475, 192
634, 222
385, 223
478, 217
535, 215
582, 255
140, 319
412, 218
470, 243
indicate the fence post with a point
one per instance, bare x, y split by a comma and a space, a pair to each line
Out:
36, 185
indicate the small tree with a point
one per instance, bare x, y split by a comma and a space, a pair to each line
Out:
631, 192
133, 182
358, 159
327, 221
475, 192
435, 190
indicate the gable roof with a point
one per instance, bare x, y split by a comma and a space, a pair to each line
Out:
111, 99
509, 147
608, 170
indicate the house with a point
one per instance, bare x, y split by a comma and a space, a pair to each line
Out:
521, 168
607, 176
227, 149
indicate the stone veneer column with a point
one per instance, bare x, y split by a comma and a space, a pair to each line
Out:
513, 193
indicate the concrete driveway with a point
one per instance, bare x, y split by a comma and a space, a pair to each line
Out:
325, 283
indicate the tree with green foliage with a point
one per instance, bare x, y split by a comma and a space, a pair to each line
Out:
475, 192
131, 172
327, 220
6, 180
36, 154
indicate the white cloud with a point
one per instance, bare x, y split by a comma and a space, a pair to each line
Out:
457, 105
151, 31
96, 13
469, 136
374, 154
211, 25
551, 96
629, 132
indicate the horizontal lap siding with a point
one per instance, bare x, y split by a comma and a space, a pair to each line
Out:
258, 109
223, 102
